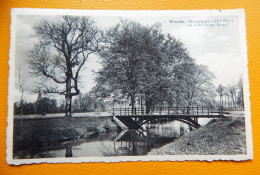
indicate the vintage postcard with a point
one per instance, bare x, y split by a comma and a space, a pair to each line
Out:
110, 86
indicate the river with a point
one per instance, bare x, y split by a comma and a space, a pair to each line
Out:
125, 143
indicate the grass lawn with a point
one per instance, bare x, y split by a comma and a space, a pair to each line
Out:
222, 137
42, 133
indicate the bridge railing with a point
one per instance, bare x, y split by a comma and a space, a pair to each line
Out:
189, 110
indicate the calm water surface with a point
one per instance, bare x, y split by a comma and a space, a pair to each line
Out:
125, 143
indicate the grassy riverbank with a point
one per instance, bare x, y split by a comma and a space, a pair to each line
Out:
219, 137
43, 133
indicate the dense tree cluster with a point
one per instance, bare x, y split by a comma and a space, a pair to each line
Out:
86, 103
41, 106
231, 96
44, 105
142, 64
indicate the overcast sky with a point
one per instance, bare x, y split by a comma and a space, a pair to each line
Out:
217, 47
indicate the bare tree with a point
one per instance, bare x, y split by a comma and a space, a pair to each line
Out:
21, 88
221, 92
232, 89
63, 49
240, 94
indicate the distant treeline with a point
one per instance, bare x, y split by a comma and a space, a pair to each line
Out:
44, 105
86, 103
41, 106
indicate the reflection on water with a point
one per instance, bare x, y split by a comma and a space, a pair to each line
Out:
68, 151
125, 143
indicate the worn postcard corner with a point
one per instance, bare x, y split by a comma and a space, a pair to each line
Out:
111, 86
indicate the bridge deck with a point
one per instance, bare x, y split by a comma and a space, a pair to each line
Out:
170, 116
170, 111
135, 118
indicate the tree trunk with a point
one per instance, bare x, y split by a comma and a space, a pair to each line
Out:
142, 110
242, 100
68, 105
68, 98
21, 112
148, 105
133, 103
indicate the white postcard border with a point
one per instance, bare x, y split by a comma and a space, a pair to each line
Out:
168, 13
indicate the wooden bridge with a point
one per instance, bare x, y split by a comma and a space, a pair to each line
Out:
135, 118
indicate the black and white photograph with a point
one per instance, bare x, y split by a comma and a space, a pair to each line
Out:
110, 86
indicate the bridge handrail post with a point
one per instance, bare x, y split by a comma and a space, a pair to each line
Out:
177, 110
197, 110
208, 110
168, 111
125, 110
120, 111
202, 110
113, 113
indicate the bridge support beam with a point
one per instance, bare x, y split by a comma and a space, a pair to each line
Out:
135, 122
